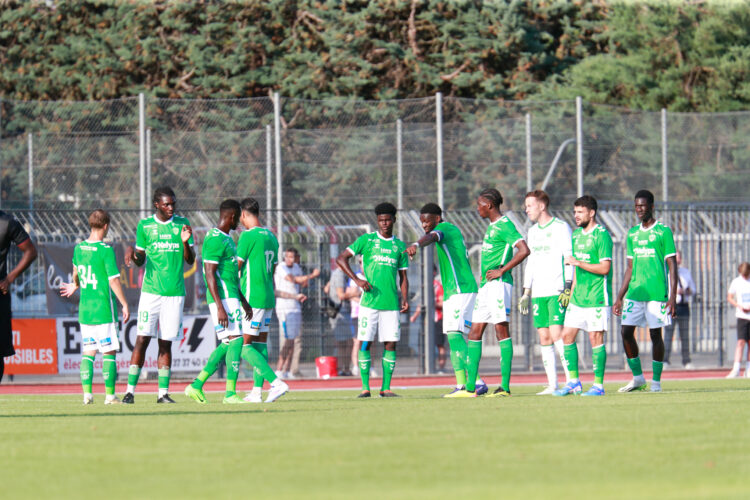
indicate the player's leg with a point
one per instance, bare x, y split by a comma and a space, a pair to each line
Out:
474, 353
108, 344
149, 308
170, 331
633, 315
599, 360
389, 332
89, 348
540, 313
367, 328
457, 312
657, 317
556, 319
573, 386
502, 333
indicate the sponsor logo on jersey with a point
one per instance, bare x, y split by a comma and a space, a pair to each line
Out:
165, 246
383, 259
644, 252
165, 236
86, 247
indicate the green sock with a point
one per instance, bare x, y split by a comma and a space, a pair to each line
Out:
258, 377
261, 369
164, 375
109, 373
474, 350
364, 369
134, 373
211, 365
506, 361
635, 366
571, 358
234, 353
458, 356
657, 366
389, 364
87, 373
599, 357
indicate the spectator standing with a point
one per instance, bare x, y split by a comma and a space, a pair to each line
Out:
685, 291
739, 297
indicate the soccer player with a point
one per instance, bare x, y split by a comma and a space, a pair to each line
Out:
547, 281
591, 297
11, 231
258, 254
383, 258
494, 297
459, 287
651, 292
163, 241
95, 273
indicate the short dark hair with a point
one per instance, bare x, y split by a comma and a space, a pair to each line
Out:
646, 195
493, 196
163, 191
385, 208
293, 250
432, 209
250, 205
539, 195
227, 205
586, 201
98, 219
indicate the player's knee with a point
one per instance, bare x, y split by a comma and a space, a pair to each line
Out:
364, 346
655, 335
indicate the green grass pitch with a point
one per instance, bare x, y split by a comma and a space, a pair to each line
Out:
692, 441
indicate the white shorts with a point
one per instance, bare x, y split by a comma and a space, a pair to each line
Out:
650, 314
493, 303
387, 324
588, 319
164, 311
234, 312
290, 324
457, 312
260, 323
101, 337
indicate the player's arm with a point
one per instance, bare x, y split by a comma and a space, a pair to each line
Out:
68, 289
134, 256
427, 239
673, 280
213, 289
116, 286
617, 308
188, 253
29, 255
521, 253
343, 262
404, 290
301, 297
303, 280
245, 305
600, 268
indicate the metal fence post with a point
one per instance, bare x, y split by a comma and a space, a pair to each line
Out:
579, 145
277, 126
429, 309
529, 180
664, 172
269, 167
142, 150
400, 175
31, 170
148, 163
439, 134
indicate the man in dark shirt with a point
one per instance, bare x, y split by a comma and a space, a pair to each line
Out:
11, 231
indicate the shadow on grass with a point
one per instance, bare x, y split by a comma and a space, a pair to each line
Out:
153, 414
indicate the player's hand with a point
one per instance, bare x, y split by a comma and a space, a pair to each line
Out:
186, 233
564, 297
301, 298
4, 286
363, 284
248, 311
404, 306
221, 315
125, 313
617, 308
315, 273
67, 289
523, 304
570, 261
494, 274
411, 251
129, 254
672, 307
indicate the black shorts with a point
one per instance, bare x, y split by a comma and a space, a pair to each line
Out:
743, 329
439, 335
6, 333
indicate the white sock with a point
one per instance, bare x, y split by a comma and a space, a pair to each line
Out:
162, 391
257, 390
480, 381
736, 367
639, 378
131, 389
550, 364
599, 386
560, 348
109, 397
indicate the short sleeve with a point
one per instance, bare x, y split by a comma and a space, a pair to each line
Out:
669, 248
212, 250
110, 264
140, 237
75, 256
358, 247
605, 246
191, 241
733, 287
629, 247
403, 260
511, 234
16, 232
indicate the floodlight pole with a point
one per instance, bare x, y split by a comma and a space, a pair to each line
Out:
664, 164
142, 151
277, 144
400, 176
579, 145
529, 182
31, 170
269, 166
148, 163
439, 137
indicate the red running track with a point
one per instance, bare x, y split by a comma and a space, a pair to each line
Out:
351, 383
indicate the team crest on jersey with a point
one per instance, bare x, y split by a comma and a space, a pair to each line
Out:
175, 230
651, 237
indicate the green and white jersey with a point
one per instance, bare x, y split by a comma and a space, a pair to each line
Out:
95, 265
219, 248
545, 272
592, 290
382, 258
453, 259
649, 249
163, 246
497, 247
258, 254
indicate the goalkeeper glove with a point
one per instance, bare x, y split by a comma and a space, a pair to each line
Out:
564, 297
523, 302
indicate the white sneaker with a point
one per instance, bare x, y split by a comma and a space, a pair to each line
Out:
665, 365
253, 398
634, 385
689, 366
655, 386
747, 373
114, 400
88, 399
733, 374
279, 373
547, 390
276, 392
288, 376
